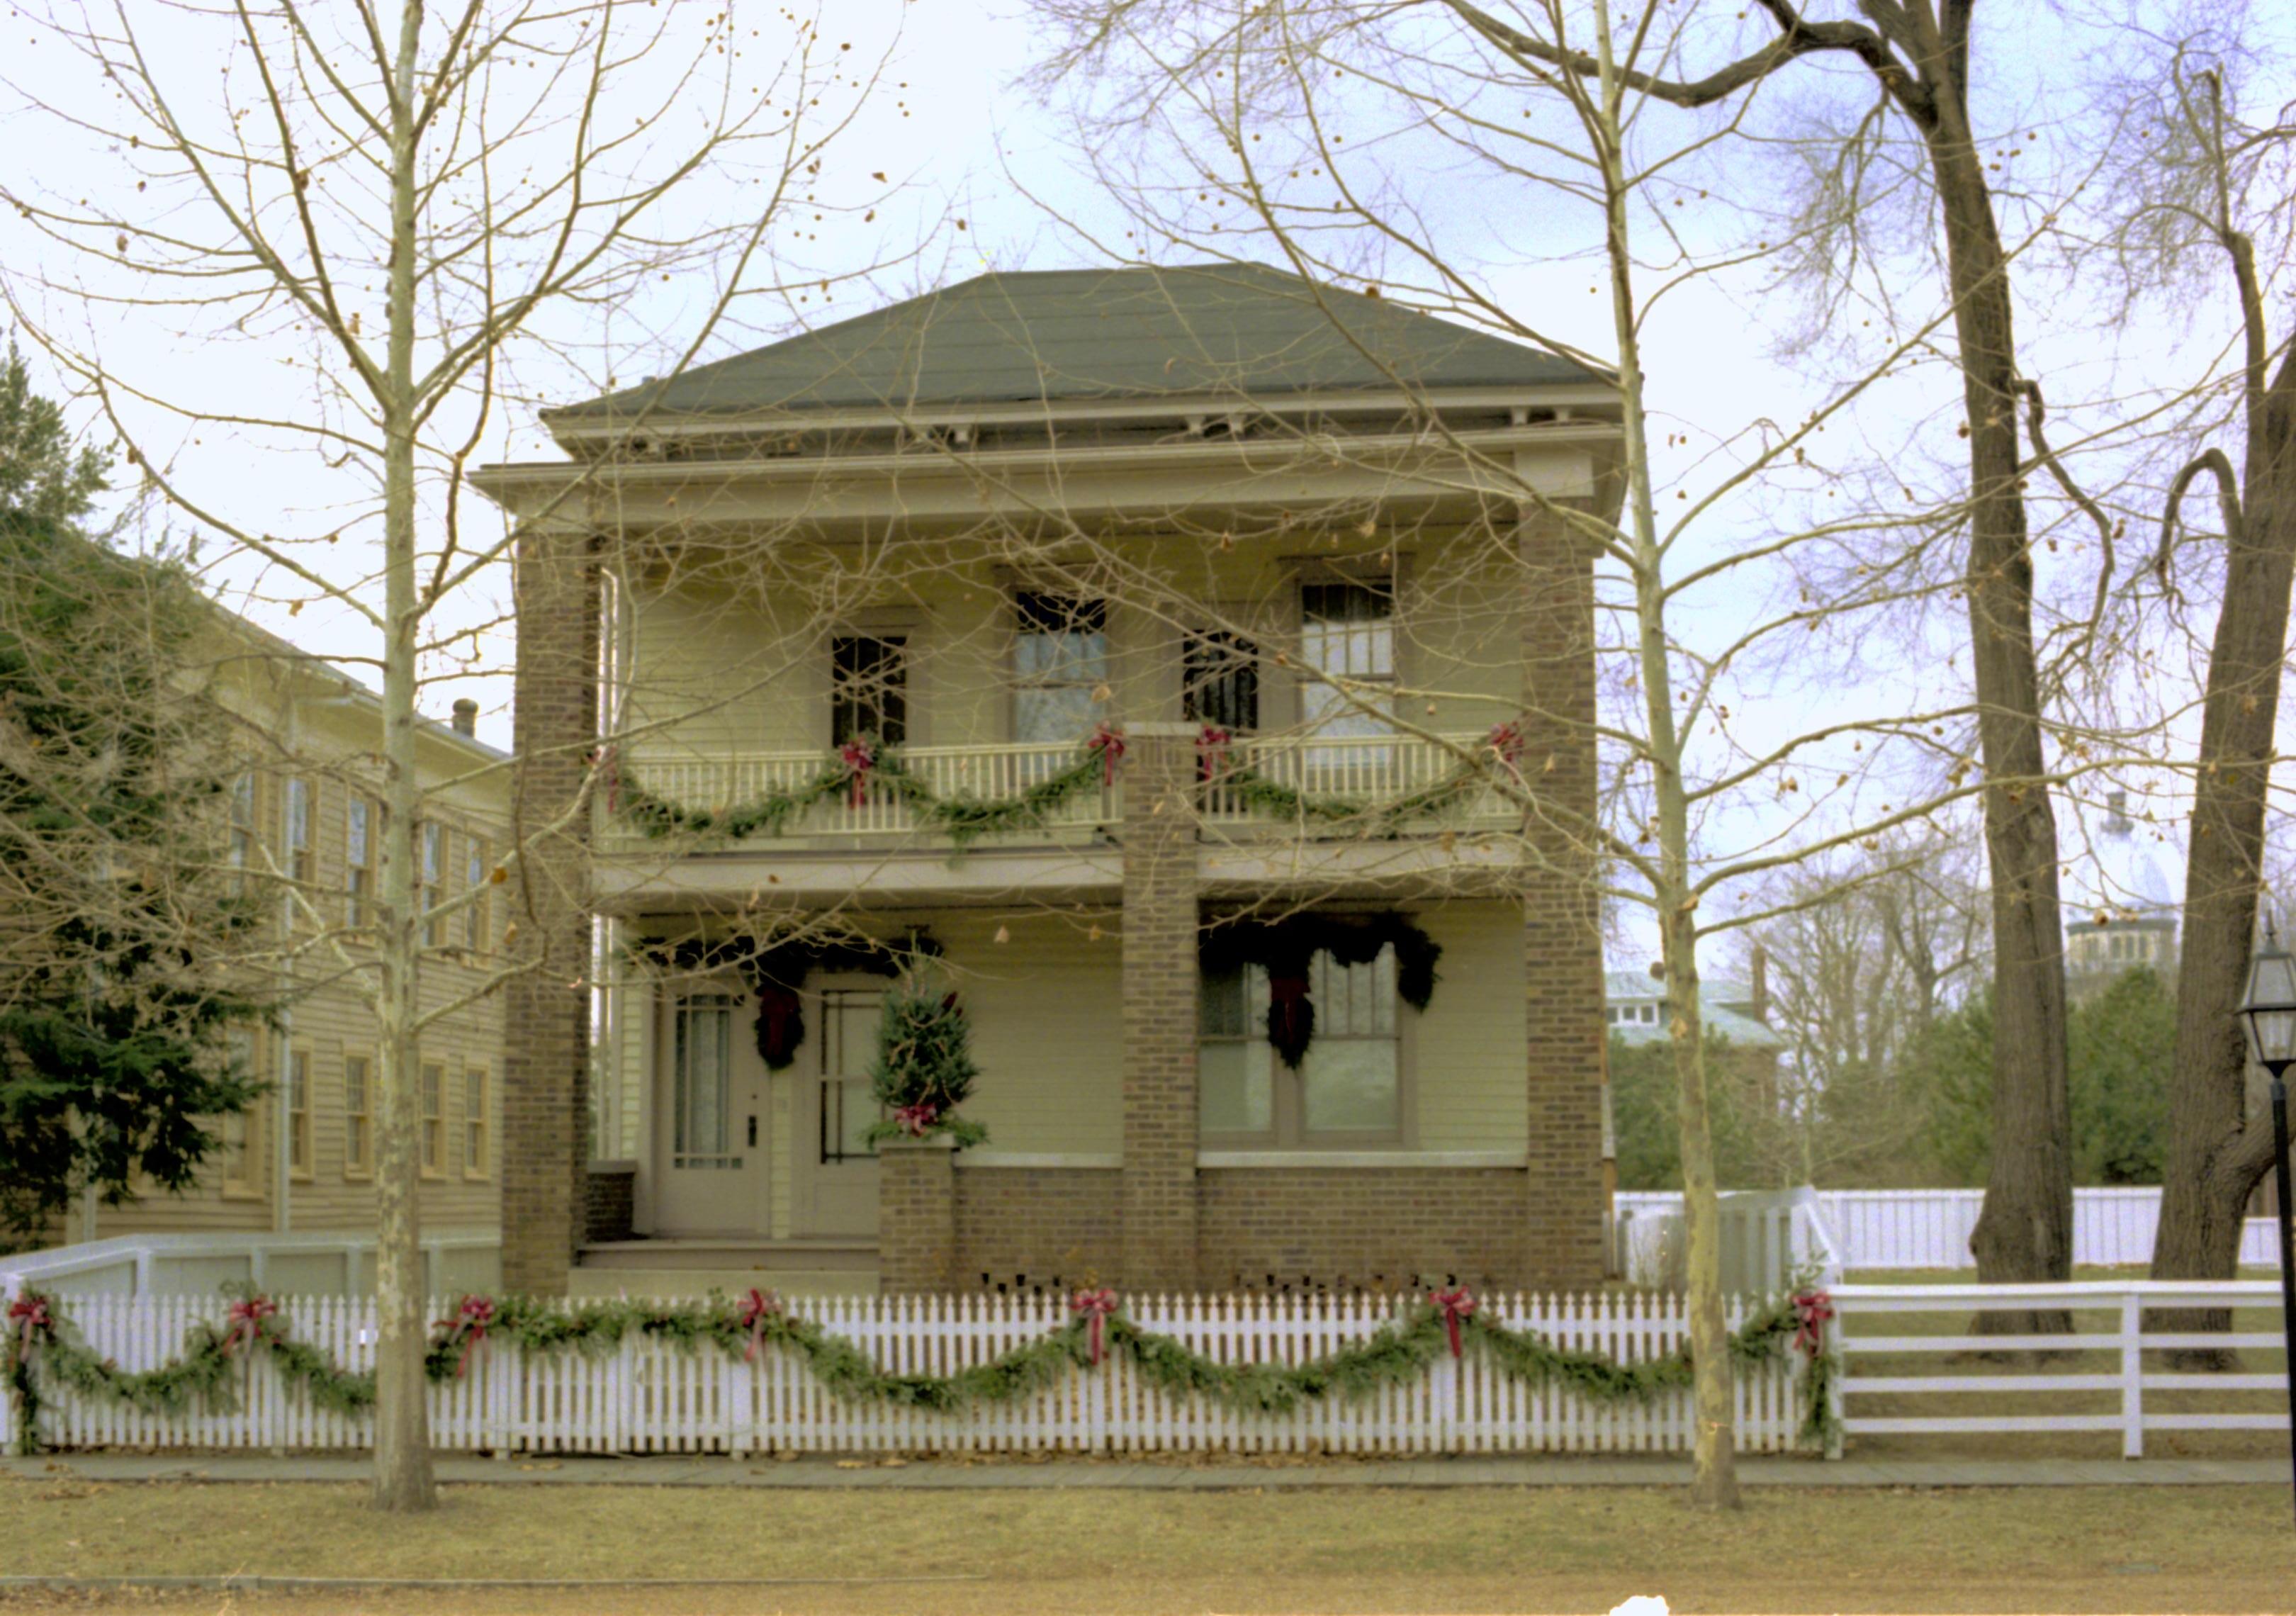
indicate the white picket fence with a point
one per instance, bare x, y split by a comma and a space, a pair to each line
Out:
2117, 1391
651, 1397
1894, 1229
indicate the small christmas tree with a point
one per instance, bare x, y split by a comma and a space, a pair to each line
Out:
924, 1068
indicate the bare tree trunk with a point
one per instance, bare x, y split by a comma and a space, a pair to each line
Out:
2215, 1156
402, 1437
2025, 1231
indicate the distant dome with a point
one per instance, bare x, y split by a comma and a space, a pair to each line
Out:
2120, 872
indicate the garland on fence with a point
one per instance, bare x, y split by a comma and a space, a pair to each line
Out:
1448, 1323
863, 763
1240, 782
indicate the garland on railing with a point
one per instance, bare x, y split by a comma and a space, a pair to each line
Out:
1449, 1322
1238, 783
862, 764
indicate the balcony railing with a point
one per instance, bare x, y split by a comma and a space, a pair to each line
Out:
1316, 786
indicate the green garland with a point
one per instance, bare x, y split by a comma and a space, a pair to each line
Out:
1398, 1353
962, 819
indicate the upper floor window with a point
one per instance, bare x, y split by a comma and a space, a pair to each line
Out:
242, 822
1220, 682
300, 862
1346, 634
433, 868
1059, 662
358, 857
868, 688
475, 876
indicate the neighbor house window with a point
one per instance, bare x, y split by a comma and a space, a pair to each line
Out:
1347, 635
358, 1115
358, 858
1348, 1088
868, 689
299, 1113
1220, 682
433, 868
434, 1118
474, 911
474, 1122
243, 849
242, 1132
300, 862
1060, 663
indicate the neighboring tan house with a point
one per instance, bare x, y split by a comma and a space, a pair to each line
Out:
305, 818
982, 532
2120, 911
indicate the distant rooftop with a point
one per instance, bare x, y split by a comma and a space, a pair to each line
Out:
1076, 335
2120, 874
1637, 1011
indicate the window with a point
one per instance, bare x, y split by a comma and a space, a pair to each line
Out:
1220, 682
299, 863
434, 1120
299, 1113
474, 1122
242, 1131
358, 858
1347, 633
243, 827
1060, 661
868, 689
1349, 1089
426, 896
702, 1098
474, 913
850, 1022
358, 1115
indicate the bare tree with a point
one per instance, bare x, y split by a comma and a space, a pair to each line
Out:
420, 209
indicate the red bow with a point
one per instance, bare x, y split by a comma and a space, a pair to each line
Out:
1507, 741
760, 1306
859, 758
246, 1320
915, 1119
1110, 744
1211, 751
1455, 1305
1813, 1309
29, 1317
1095, 1305
469, 1326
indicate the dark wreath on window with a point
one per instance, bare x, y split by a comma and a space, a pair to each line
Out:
1283, 949
776, 970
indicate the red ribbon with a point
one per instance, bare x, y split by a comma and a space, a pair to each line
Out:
246, 1320
1813, 1309
859, 758
1095, 1305
1455, 1305
469, 1326
1110, 744
760, 1306
1507, 741
915, 1119
28, 1318
1211, 751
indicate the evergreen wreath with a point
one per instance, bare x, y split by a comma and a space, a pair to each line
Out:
863, 764
42, 1344
1284, 949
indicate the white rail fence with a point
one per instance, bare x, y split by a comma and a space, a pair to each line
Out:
197, 1264
1930, 1228
1771, 1239
651, 1397
1892, 1348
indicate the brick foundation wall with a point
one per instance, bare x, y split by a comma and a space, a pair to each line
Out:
610, 1202
1562, 953
1160, 1008
1049, 1228
1364, 1229
916, 1216
546, 1008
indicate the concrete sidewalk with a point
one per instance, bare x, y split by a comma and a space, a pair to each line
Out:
824, 1471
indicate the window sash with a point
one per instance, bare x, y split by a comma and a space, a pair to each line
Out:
1060, 660
1347, 631
358, 1113
299, 1113
869, 689
474, 913
1349, 1089
433, 865
702, 1107
474, 1121
1220, 682
358, 857
298, 829
434, 1117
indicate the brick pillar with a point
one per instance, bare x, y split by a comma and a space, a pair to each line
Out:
1159, 1007
1566, 1208
545, 1095
917, 1216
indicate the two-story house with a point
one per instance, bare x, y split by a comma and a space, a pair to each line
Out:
1173, 659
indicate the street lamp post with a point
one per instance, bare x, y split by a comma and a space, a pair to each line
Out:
2269, 1010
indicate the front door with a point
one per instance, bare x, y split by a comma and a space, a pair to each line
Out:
712, 1174
838, 1165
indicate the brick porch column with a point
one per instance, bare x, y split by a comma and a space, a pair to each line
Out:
1566, 1208
1159, 1007
917, 1216
545, 1096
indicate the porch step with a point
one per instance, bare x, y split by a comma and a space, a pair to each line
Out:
682, 1283
744, 1256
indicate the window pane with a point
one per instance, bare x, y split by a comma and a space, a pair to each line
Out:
1220, 682
1234, 1086
1348, 1085
1046, 713
868, 689
701, 1125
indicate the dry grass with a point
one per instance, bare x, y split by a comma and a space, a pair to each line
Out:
2100, 1549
